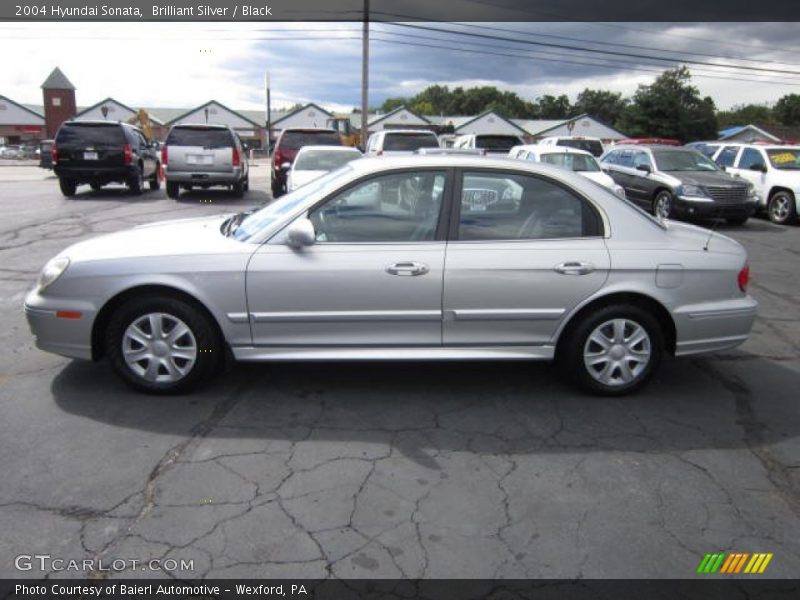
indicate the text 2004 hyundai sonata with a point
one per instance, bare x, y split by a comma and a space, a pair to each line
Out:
434, 257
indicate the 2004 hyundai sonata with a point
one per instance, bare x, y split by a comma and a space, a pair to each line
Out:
430, 257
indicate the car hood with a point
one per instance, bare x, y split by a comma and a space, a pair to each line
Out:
692, 237
299, 178
710, 178
196, 236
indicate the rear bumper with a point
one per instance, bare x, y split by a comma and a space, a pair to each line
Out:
204, 177
67, 337
89, 174
713, 326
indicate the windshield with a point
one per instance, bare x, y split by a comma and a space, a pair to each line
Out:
575, 162
786, 159
678, 160
496, 143
409, 141
278, 209
594, 147
90, 134
205, 137
324, 160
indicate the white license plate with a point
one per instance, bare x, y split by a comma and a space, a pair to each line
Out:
90, 156
201, 160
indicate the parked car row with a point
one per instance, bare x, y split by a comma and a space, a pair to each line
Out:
18, 152
101, 152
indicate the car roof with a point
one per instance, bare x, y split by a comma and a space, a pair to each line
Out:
665, 147
200, 126
308, 130
407, 131
380, 163
545, 149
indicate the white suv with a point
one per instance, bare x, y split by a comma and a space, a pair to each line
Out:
774, 170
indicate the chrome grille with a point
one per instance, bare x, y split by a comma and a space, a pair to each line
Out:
727, 194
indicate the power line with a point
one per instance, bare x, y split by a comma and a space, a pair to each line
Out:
528, 57
592, 50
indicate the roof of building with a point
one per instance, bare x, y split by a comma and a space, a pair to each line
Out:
57, 81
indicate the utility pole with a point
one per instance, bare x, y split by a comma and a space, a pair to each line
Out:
269, 119
365, 77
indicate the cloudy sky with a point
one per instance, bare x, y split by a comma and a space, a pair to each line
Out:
186, 64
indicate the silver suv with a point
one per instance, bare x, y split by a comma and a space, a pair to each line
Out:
204, 156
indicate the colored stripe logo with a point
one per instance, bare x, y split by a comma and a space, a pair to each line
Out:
734, 563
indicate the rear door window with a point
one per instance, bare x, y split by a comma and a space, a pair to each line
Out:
85, 134
592, 146
727, 156
205, 137
496, 143
294, 140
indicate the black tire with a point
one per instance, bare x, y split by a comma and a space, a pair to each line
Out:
96, 187
238, 189
68, 186
781, 208
155, 182
664, 203
136, 182
206, 342
277, 189
572, 350
173, 190
736, 220
247, 182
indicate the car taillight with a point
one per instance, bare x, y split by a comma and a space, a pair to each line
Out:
236, 159
276, 159
127, 155
164, 155
743, 279
54, 154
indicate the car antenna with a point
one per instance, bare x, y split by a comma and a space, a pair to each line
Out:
713, 228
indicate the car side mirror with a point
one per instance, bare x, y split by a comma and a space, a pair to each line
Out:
286, 166
644, 168
301, 233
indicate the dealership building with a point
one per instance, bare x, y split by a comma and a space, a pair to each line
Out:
24, 122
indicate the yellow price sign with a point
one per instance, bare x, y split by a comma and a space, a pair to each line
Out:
783, 158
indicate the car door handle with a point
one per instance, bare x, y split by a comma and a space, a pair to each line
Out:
407, 269
574, 268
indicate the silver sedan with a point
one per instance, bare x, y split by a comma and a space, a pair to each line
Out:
424, 257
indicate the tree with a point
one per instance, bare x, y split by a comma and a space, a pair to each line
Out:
601, 104
744, 114
391, 104
551, 107
671, 108
787, 109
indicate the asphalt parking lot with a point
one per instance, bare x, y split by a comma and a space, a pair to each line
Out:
479, 470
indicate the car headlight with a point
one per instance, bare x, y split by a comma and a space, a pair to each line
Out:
619, 191
692, 190
751, 192
52, 271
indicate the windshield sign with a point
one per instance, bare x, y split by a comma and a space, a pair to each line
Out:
786, 159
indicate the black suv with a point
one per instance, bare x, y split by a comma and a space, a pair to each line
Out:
672, 182
102, 152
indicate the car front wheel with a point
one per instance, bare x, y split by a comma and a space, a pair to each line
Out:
662, 205
162, 345
612, 351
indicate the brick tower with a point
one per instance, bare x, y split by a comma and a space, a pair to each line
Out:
59, 101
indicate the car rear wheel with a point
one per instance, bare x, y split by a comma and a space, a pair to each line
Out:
277, 189
612, 351
68, 186
238, 189
781, 208
136, 182
162, 344
155, 182
173, 190
662, 204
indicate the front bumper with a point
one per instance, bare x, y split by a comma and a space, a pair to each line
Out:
71, 337
692, 207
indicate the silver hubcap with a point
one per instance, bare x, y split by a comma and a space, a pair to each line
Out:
617, 352
159, 347
662, 206
780, 207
